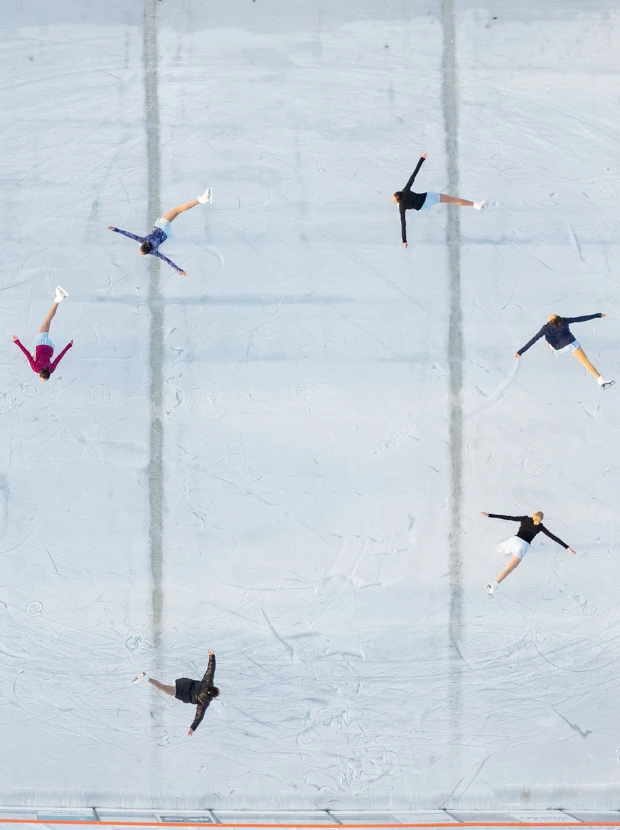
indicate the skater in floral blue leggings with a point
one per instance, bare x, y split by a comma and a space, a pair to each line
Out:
163, 230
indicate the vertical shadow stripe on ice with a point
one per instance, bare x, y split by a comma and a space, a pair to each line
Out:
455, 362
156, 432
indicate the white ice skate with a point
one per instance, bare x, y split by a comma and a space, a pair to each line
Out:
481, 205
491, 589
605, 384
60, 294
206, 197
139, 678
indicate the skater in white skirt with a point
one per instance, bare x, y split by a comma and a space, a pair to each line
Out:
409, 200
163, 230
517, 546
562, 341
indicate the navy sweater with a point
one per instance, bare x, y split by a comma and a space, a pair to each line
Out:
558, 336
409, 200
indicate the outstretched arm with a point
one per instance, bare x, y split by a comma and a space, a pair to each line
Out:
403, 225
584, 319
26, 352
170, 262
60, 356
531, 342
210, 672
415, 173
506, 518
555, 538
126, 233
200, 713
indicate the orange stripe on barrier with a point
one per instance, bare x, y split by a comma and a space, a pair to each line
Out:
314, 825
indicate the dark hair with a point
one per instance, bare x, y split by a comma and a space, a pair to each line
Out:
146, 248
213, 692
399, 195
45, 373
557, 321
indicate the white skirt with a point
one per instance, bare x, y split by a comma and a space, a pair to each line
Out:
514, 546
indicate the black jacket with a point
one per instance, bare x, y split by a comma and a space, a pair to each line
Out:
527, 529
409, 200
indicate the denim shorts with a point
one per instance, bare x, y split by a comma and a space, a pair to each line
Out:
431, 200
43, 339
572, 347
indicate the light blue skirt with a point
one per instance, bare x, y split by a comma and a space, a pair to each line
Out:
431, 200
166, 226
43, 339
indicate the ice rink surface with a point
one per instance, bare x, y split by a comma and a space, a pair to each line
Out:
283, 456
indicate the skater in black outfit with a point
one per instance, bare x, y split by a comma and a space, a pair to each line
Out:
560, 338
407, 200
518, 545
198, 692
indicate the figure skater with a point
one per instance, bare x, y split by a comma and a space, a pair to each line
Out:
163, 230
562, 341
42, 361
425, 201
518, 546
198, 692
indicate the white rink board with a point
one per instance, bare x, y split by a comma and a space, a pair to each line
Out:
306, 398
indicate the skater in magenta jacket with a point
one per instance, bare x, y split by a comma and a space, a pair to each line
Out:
163, 230
198, 692
42, 361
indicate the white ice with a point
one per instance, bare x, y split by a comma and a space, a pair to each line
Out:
306, 481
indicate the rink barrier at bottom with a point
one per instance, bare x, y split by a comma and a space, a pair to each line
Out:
302, 819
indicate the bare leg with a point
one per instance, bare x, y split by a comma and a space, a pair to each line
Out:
514, 563
45, 326
454, 200
168, 690
582, 358
172, 214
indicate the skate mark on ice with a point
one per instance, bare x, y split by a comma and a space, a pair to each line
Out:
404, 430
495, 396
573, 726
573, 238
8, 653
375, 272
473, 778
280, 639
34, 609
215, 253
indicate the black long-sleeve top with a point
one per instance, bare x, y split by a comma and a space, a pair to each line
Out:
527, 529
202, 699
558, 336
409, 200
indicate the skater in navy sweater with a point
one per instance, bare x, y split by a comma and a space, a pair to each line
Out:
519, 544
163, 230
198, 692
408, 200
560, 338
